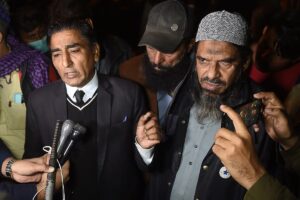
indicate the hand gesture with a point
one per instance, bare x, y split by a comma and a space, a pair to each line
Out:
148, 132
276, 122
236, 151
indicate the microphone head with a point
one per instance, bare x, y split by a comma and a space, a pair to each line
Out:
78, 131
66, 131
67, 126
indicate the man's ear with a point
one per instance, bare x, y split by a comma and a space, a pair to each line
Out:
96, 52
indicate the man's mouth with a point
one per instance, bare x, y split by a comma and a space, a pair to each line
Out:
71, 74
209, 86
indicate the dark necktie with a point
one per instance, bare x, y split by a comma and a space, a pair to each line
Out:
79, 96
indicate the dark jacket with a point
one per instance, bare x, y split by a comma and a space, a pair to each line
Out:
168, 154
120, 103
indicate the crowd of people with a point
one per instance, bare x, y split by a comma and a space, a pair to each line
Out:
204, 107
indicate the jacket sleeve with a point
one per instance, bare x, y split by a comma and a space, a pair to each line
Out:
33, 142
268, 188
4, 153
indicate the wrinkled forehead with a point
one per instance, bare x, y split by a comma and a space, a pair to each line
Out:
214, 47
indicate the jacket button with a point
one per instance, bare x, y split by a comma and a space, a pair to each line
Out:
205, 167
183, 121
197, 199
169, 183
179, 154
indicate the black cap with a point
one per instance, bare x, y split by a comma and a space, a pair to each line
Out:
166, 27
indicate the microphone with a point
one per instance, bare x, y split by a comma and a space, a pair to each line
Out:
52, 162
66, 130
78, 132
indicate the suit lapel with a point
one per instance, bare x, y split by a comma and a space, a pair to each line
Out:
103, 121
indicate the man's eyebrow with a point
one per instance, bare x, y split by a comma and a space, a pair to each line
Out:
229, 59
73, 45
67, 46
54, 50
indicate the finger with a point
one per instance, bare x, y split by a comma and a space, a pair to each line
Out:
274, 112
41, 168
219, 151
144, 118
223, 143
153, 135
151, 123
269, 99
227, 134
238, 123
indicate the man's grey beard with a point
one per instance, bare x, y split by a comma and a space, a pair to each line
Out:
207, 103
208, 107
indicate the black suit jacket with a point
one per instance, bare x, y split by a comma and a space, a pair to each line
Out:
120, 103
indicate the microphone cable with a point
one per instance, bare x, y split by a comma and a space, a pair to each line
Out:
48, 150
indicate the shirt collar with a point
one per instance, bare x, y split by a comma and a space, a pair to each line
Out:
89, 89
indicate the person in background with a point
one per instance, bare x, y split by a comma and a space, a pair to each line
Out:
168, 60
277, 58
236, 151
22, 70
30, 24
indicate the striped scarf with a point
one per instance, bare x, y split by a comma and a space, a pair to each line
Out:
37, 63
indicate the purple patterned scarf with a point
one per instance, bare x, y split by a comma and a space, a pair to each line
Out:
37, 63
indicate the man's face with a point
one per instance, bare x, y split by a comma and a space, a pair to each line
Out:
217, 65
163, 61
165, 71
72, 57
267, 59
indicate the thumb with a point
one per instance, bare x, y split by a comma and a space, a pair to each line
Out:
42, 168
238, 123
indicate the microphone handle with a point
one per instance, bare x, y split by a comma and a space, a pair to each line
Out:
52, 162
66, 153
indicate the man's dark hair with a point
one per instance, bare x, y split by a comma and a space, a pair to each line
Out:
83, 26
287, 28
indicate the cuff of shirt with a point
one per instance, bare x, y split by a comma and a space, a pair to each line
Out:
146, 154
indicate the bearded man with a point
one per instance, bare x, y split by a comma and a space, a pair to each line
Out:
184, 165
168, 60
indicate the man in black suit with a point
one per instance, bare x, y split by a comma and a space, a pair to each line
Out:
103, 164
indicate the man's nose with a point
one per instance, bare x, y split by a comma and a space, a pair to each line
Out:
66, 61
157, 57
213, 71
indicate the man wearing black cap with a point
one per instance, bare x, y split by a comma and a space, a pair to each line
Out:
167, 61
184, 166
